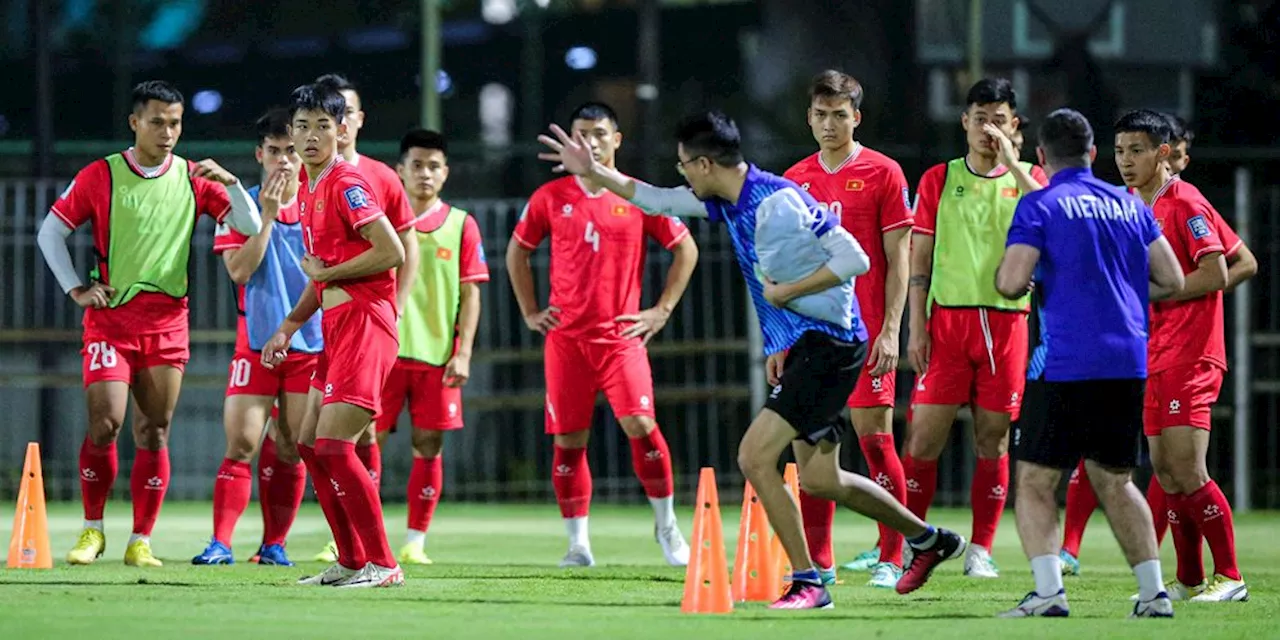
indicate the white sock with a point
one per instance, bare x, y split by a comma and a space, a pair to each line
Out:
416, 537
1150, 583
664, 512
133, 537
577, 530
93, 524
1048, 574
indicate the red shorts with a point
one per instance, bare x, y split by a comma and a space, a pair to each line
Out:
361, 337
432, 406
247, 376
874, 391
119, 355
577, 369
1181, 397
978, 356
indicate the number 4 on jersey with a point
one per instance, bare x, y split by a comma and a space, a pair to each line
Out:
592, 236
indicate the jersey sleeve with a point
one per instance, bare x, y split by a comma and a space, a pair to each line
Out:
225, 239
88, 192
1231, 241
355, 201
211, 198
395, 203
928, 195
1028, 225
895, 201
533, 225
1195, 225
1038, 174
472, 266
669, 231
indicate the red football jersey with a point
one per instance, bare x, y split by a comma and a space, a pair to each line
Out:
334, 207
597, 253
226, 239
1188, 331
1231, 241
869, 193
388, 190
88, 199
929, 194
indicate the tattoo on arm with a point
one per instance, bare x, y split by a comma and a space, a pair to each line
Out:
919, 281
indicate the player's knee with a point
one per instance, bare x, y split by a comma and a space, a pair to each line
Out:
637, 426
287, 451
991, 446
924, 443
151, 433
819, 478
1188, 479
104, 429
1037, 481
428, 443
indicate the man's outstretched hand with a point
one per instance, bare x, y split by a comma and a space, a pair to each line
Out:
570, 153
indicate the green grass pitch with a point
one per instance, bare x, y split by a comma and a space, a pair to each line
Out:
495, 577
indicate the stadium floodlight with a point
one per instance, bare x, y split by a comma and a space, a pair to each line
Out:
498, 11
206, 101
580, 58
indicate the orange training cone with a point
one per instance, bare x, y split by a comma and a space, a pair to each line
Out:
790, 477
706, 581
754, 569
29, 547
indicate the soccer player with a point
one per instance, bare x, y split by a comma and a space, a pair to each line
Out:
1187, 363
143, 205
267, 269
1241, 265
437, 329
867, 192
352, 254
391, 195
1081, 229
595, 330
966, 342
813, 362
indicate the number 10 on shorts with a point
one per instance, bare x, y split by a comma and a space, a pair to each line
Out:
240, 368
101, 356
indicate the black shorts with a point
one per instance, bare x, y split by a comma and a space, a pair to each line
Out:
1098, 420
817, 378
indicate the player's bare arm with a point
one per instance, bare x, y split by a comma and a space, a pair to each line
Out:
918, 343
1013, 277
1241, 266
1009, 158
458, 370
407, 272
244, 216
386, 253
242, 262
1211, 275
1166, 273
521, 274
651, 321
276, 349
883, 357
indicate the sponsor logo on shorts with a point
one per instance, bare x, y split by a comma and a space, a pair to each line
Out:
1175, 407
644, 401
328, 389
877, 385
776, 391
453, 409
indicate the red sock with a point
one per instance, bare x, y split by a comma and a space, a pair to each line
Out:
651, 460
1081, 503
231, 490
282, 499
886, 469
98, 469
1187, 540
922, 482
267, 461
351, 552
359, 496
425, 482
148, 483
817, 514
1159, 508
987, 494
1214, 514
571, 478
370, 456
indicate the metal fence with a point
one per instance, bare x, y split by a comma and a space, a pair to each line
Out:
704, 372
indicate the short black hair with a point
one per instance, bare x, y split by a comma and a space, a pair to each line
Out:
838, 85
338, 82
1153, 123
594, 111
992, 91
1179, 130
160, 90
423, 139
272, 124
1066, 137
318, 97
711, 134
1024, 124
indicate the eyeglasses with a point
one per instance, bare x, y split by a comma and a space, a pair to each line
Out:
681, 163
